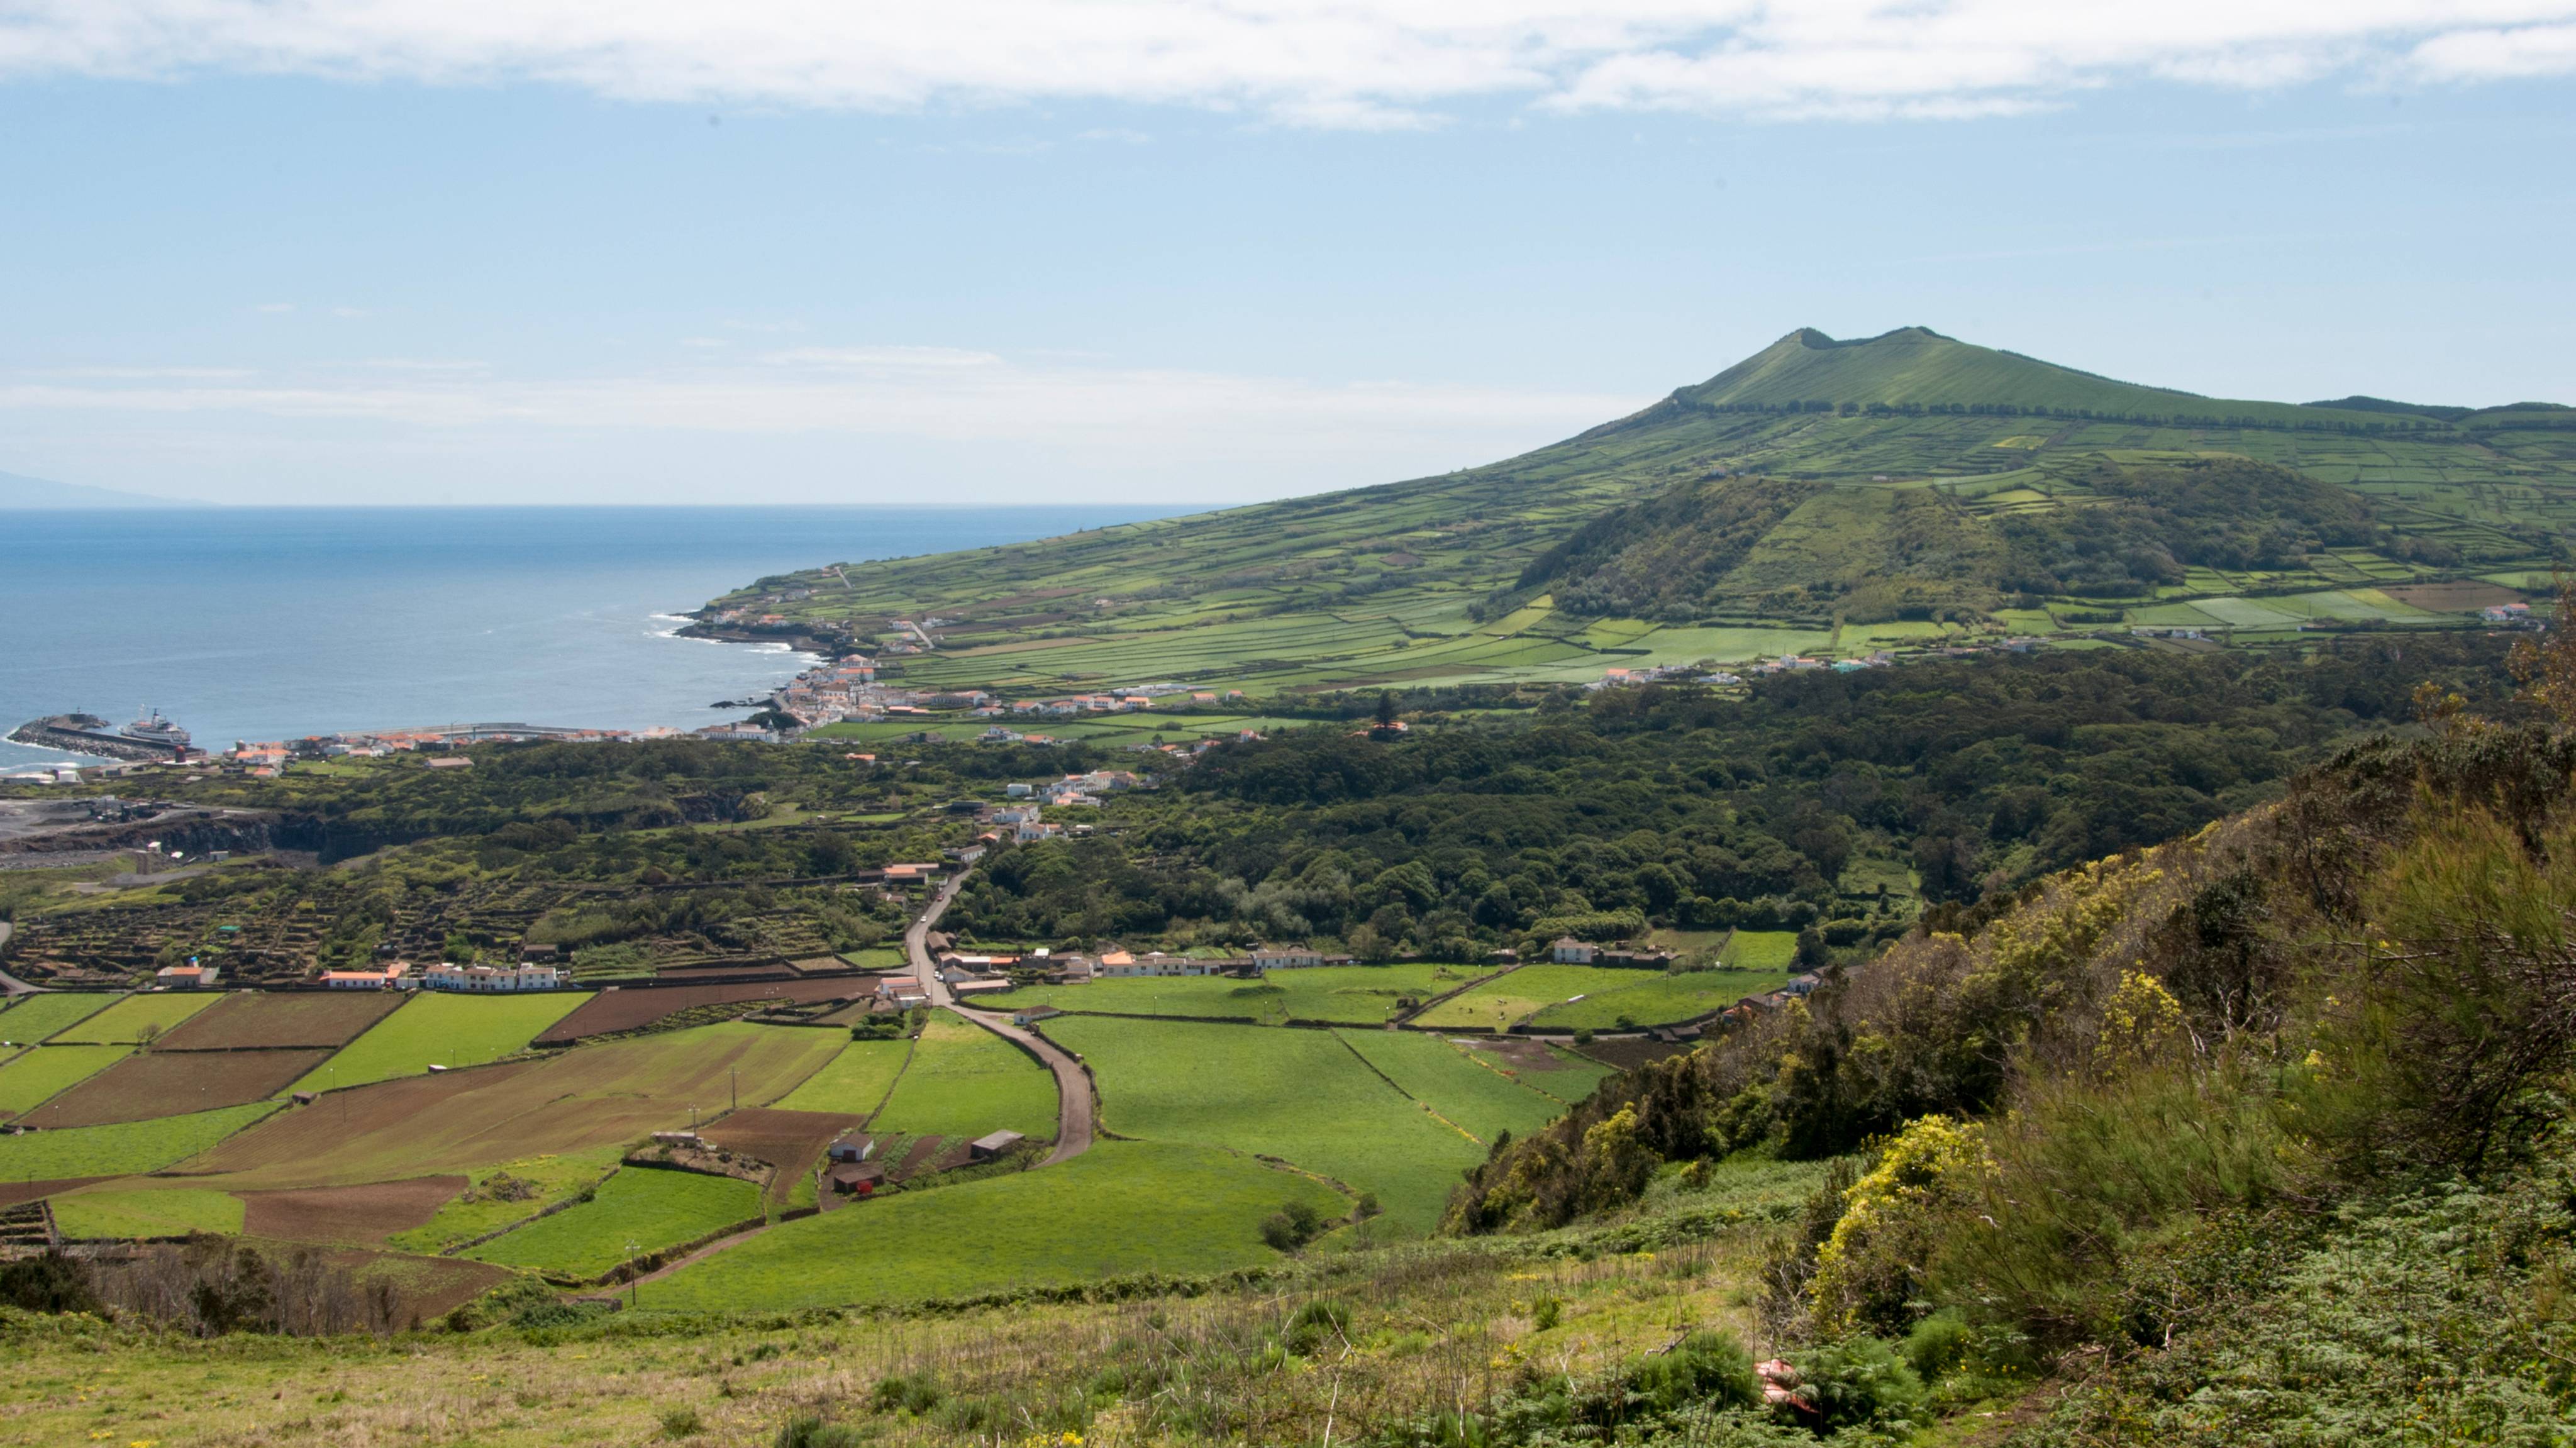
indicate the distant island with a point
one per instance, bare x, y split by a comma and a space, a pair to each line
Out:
19, 493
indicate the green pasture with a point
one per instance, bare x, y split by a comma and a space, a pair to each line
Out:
1659, 1000
35, 1017
639, 1210
128, 1148
136, 1018
173, 1212
1504, 1002
966, 1081
883, 957
1761, 950
855, 1081
1475, 1089
1359, 994
1302, 1095
438, 1029
1121, 1208
29, 1078
481, 1208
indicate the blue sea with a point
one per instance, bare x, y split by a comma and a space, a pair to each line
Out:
269, 623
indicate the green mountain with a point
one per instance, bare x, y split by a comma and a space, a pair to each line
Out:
1899, 491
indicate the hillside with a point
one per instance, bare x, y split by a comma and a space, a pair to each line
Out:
1440, 580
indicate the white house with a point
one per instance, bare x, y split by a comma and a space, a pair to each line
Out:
1570, 951
495, 979
1286, 957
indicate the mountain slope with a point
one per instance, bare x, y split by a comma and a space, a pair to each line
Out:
1423, 582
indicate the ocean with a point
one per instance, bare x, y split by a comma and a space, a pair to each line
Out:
272, 623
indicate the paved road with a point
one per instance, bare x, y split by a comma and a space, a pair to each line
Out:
1072, 1085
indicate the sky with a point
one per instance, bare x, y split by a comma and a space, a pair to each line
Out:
1206, 251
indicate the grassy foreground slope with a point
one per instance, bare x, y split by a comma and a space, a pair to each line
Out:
1412, 582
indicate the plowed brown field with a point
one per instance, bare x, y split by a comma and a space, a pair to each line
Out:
274, 1019
347, 1214
791, 1141
587, 1097
624, 1010
13, 1194
174, 1083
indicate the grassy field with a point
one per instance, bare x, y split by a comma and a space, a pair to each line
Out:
443, 1030
1484, 1092
1122, 1207
855, 1081
966, 1081
33, 1018
546, 1180
639, 1210
1659, 1000
125, 1149
136, 1018
576, 1100
1761, 950
173, 1212
1359, 994
1529, 990
1301, 1095
31, 1076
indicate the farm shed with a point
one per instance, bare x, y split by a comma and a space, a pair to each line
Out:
857, 1179
986, 1148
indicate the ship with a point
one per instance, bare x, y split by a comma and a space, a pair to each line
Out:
151, 737
150, 727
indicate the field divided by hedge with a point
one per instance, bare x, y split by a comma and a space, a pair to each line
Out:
1300, 1095
28, 1079
33, 1018
966, 1081
855, 1081
124, 1149
443, 1030
1121, 1208
136, 1019
639, 1210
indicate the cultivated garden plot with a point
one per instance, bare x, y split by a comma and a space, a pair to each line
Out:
1358, 994
134, 1020
790, 1141
1120, 1208
578, 1100
33, 1018
1297, 1094
369, 1213
629, 1007
854, 1082
126, 1149
264, 1018
165, 1083
638, 1211
498, 1197
32, 1076
443, 1030
965, 1082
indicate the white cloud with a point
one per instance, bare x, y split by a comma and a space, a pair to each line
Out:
1093, 413
1346, 63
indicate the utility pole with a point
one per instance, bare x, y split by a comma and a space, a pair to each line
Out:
733, 1077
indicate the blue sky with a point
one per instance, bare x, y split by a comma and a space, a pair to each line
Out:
410, 253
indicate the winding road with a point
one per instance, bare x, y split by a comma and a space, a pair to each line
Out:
1072, 1083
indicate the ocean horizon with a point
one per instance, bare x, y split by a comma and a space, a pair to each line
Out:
278, 622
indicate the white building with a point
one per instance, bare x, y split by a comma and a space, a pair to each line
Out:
495, 979
1286, 957
1570, 951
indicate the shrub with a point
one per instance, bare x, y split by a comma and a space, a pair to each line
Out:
50, 1283
1869, 1272
1856, 1382
1292, 1226
682, 1422
1546, 1313
1705, 1368
909, 1393
807, 1431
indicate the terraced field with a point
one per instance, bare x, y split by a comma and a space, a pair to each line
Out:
147, 1213
263, 1018
127, 1149
28, 1079
159, 1083
135, 1019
